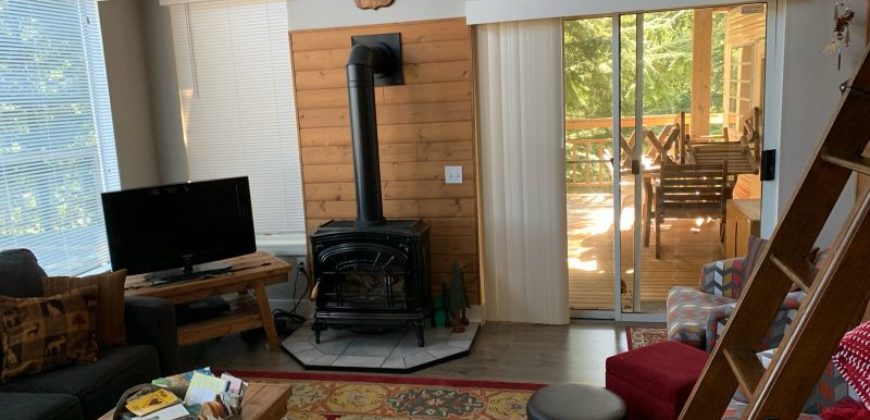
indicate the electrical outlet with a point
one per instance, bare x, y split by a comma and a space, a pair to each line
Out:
453, 174
301, 262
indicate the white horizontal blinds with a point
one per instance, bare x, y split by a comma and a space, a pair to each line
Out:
56, 141
238, 112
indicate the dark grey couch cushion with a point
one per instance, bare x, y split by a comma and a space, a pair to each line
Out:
20, 274
98, 385
24, 406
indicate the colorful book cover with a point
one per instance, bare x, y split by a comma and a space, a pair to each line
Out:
151, 402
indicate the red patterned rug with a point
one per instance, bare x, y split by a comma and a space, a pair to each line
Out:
342, 396
641, 336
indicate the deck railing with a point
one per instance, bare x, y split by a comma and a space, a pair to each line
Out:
588, 156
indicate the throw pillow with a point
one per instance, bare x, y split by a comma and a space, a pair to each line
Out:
20, 274
111, 330
830, 389
853, 359
38, 334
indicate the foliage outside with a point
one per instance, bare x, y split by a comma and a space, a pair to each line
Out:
50, 165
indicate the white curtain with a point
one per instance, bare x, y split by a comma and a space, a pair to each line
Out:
520, 98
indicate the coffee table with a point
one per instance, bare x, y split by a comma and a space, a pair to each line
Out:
262, 401
249, 272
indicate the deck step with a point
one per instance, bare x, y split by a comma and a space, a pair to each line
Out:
860, 164
804, 279
746, 367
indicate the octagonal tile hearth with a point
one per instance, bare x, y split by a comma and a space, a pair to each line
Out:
394, 351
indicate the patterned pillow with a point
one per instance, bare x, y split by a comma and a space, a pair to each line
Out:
830, 389
853, 359
111, 330
38, 334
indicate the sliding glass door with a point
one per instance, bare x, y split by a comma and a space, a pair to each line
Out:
679, 87
589, 153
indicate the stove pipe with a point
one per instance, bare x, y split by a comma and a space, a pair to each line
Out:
362, 65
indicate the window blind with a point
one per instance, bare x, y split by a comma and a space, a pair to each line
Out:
238, 111
57, 151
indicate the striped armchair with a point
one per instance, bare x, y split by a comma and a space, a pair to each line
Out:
697, 316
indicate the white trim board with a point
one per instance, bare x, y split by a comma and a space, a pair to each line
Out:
317, 14
490, 11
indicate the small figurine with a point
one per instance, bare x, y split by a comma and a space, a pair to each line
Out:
458, 300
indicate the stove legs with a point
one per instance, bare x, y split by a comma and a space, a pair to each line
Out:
318, 327
418, 327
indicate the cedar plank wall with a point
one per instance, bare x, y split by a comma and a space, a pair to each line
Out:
423, 125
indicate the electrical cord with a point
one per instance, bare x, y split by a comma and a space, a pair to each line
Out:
288, 321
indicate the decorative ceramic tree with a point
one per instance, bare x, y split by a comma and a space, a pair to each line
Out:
445, 304
458, 300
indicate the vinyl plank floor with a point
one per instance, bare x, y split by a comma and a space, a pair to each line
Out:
501, 352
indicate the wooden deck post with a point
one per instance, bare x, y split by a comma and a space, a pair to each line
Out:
701, 71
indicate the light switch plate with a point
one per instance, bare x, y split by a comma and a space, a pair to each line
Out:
453, 174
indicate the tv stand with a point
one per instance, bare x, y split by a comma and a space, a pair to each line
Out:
252, 272
189, 272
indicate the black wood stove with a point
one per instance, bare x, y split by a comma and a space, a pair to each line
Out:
371, 272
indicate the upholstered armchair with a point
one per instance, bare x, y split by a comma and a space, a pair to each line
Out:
697, 316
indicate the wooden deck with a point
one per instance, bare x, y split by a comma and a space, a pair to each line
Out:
686, 248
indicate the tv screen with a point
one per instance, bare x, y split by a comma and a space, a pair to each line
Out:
172, 226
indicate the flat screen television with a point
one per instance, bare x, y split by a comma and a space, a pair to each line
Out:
172, 231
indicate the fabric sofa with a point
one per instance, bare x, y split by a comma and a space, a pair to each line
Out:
88, 391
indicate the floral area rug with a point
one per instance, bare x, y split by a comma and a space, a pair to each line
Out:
641, 337
369, 397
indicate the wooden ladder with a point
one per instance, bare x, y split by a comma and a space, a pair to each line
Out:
836, 295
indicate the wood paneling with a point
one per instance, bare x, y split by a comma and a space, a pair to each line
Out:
415, 74
423, 125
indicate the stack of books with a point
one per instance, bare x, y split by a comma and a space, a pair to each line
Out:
205, 396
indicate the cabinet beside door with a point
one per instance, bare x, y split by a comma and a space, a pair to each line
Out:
743, 218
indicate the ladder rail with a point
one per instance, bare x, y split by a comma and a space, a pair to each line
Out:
809, 345
767, 285
822, 184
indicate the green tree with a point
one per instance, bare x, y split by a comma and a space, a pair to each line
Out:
667, 68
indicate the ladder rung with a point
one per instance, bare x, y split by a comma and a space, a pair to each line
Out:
803, 279
746, 367
859, 164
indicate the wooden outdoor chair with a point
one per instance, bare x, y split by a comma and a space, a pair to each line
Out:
691, 191
742, 155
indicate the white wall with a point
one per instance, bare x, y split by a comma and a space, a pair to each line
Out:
313, 14
165, 104
126, 69
810, 95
